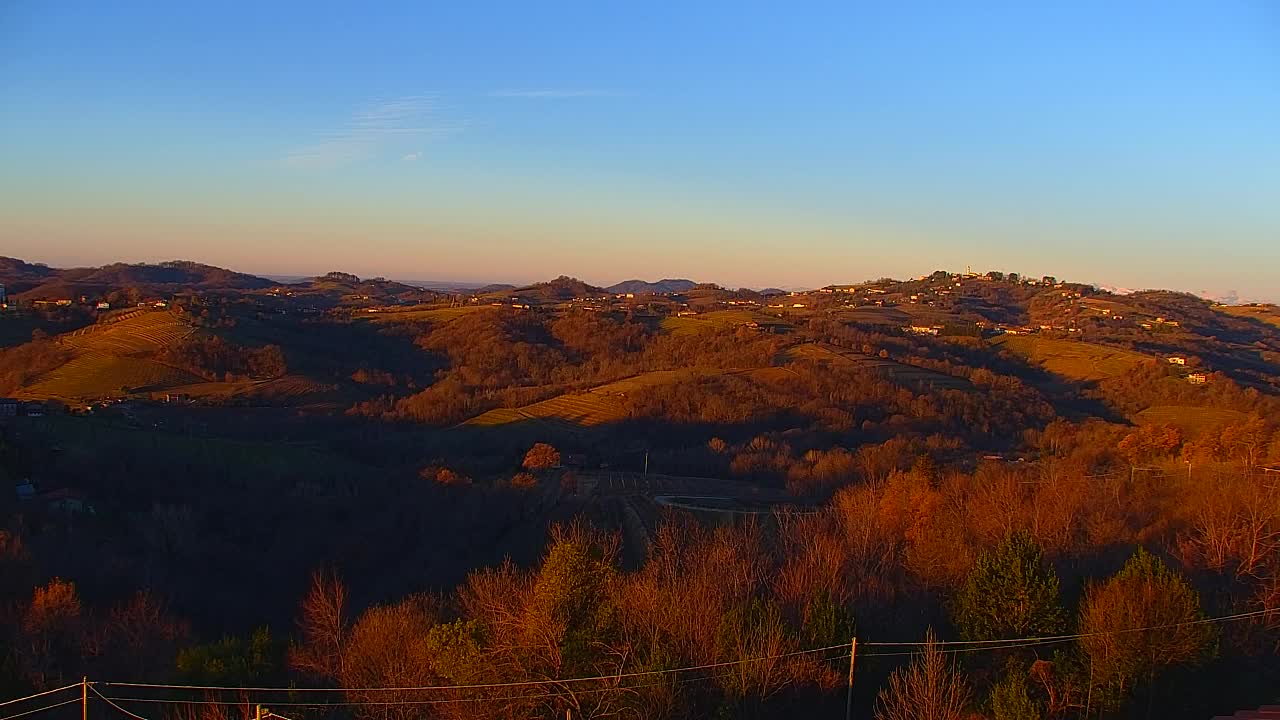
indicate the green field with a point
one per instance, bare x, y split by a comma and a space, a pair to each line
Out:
1070, 358
1192, 421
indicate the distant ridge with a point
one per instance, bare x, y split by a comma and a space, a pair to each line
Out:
666, 285
40, 281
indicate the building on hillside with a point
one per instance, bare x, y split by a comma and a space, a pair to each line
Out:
35, 408
24, 490
924, 329
1198, 378
66, 500
1177, 360
9, 407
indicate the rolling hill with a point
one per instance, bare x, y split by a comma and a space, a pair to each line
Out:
1072, 359
640, 287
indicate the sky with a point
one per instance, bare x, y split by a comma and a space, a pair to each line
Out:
1130, 144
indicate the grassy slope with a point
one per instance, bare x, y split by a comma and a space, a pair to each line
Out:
1192, 421
1072, 359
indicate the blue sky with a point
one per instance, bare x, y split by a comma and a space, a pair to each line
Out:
1131, 144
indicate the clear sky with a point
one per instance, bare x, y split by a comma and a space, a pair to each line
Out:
1126, 143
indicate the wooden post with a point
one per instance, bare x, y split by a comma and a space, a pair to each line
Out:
84, 697
848, 702
257, 712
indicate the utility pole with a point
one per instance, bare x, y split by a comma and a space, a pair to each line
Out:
646, 464
257, 712
84, 697
848, 702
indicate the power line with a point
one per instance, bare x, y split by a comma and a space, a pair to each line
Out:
40, 694
444, 701
112, 703
482, 686
995, 644
1047, 641
953, 646
47, 707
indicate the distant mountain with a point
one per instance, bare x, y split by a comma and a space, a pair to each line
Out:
562, 288
665, 285
492, 288
165, 277
339, 284
17, 275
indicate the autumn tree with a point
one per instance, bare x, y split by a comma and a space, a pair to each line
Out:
1148, 443
387, 648
139, 637
1145, 618
1010, 593
930, 688
541, 457
51, 628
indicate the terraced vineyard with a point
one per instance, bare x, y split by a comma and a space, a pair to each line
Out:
134, 332
96, 375
907, 374
106, 361
1072, 359
288, 391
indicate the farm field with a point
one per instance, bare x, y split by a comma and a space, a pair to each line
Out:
596, 406
874, 315
439, 314
822, 353
1269, 314
705, 322
96, 375
1072, 359
1192, 421
291, 390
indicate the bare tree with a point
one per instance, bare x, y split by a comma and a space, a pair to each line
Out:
930, 688
323, 623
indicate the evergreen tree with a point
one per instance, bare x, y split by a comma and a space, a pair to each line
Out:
1011, 592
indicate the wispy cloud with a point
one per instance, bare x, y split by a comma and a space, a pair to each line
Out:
551, 94
380, 127
412, 157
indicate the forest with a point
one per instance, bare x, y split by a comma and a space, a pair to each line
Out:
472, 523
